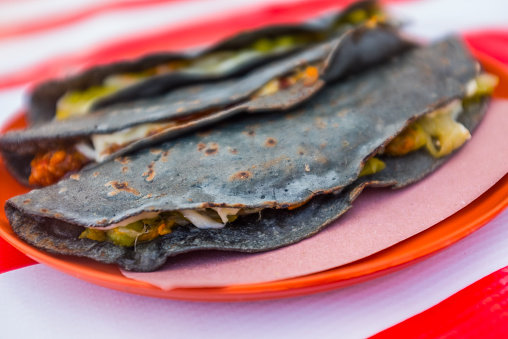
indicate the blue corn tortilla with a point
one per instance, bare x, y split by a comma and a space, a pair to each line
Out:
354, 51
313, 154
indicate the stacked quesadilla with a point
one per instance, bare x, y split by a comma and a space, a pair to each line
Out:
327, 127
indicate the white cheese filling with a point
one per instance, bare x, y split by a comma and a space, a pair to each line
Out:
194, 216
102, 142
201, 221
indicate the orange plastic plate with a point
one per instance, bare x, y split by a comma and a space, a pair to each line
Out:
403, 254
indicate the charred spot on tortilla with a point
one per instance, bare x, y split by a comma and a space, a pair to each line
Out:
165, 156
119, 187
241, 175
123, 160
150, 172
212, 149
270, 142
201, 146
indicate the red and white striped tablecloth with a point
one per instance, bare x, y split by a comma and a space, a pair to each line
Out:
460, 292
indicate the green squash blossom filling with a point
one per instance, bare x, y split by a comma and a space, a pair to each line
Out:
150, 225
77, 103
103, 145
372, 166
438, 132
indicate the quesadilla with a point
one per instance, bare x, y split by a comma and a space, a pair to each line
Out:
156, 74
254, 183
42, 155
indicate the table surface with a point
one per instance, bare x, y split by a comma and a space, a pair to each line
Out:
40, 302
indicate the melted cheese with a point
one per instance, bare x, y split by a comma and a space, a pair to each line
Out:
102, 142
194, 216
483, 84
201, 221
224, 212
130, 220
86, 150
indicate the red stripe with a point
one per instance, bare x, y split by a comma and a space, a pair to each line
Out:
193, 34
492, 42
11, 258
478, 311
41, 24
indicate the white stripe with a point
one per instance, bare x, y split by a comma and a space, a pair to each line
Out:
11, 101
22, 12
428, 19
432, 19
55, 303
28, 50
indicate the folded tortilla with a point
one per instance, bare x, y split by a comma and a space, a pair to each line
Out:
156, 74
300, 169
122, 128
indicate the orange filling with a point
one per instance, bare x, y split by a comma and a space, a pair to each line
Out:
311, 75
50, 167
411, 139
